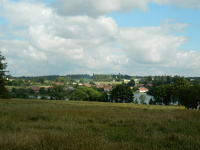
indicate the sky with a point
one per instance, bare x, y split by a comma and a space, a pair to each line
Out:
60, 37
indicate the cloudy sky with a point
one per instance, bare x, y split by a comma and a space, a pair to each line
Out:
134, 37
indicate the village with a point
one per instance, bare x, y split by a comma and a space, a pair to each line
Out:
105, 87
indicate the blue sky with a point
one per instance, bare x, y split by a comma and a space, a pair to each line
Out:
156, 14
146, 37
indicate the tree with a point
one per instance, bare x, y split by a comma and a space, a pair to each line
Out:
83, 93
122, 94
164, 94
120, 78
155, 83
20, 93
149, 78
189, 96
41, 80
3, 91
169, 79
31, 91
152, 102
142, 98
61, 79
92, 83
195, 82
58, 92
131, 83
42, 90
158, 94
181, 82
136, 101
81, 81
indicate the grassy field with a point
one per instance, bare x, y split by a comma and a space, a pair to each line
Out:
106, 83
41, 124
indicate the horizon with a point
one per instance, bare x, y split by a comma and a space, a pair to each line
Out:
147, 37
107, 74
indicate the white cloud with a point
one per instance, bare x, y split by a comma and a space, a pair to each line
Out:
34, 54
97, 7
150, 44
55, 44
4, 50
25, 13
181, 3
86, 27
102, 7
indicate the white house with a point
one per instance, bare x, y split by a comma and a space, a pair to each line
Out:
142, 89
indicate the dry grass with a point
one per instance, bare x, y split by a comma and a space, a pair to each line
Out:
41, 124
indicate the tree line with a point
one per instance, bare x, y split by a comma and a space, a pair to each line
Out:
180, 92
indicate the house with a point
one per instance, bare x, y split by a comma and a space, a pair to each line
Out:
137, 80
142, 89
139, 85
58, 83
35, 88
101, 86
127, 80
71, 88
87, 85
150, 85
108, 88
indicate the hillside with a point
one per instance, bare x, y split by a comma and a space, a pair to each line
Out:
41, 124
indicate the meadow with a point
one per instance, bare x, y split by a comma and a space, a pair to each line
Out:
75, 125
106, 83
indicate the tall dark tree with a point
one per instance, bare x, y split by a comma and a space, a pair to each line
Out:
149, 78
189, 96
81, 81
164, 94
58, 93
120, 78
131, 83
42, 90
122, 94
181, 82
41, 80
3, 91
21, 93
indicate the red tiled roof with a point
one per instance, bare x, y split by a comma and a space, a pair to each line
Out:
35, 88
142, 89
87, 85
108, 87
101, 86
139, 85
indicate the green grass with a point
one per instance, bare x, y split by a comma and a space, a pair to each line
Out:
17, 87
42, 124
106, 83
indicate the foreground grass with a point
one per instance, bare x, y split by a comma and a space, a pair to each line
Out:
40, 124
